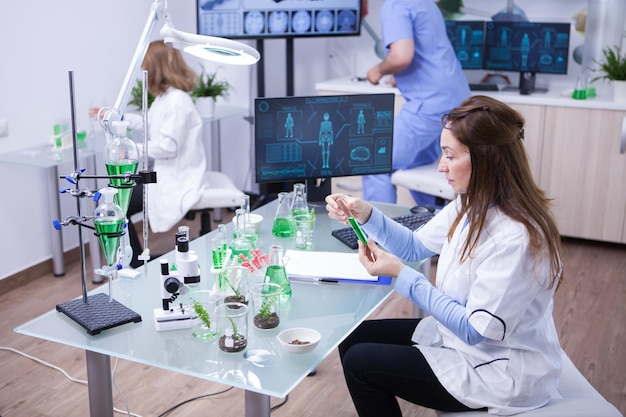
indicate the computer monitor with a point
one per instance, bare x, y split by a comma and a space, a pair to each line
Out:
467, 39
528, 48
304, 139
256, 19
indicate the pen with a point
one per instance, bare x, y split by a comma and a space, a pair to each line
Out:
334, 281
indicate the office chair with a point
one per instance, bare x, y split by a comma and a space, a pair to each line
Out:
220, 193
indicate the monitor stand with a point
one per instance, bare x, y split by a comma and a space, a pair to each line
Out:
316, 191
527, 84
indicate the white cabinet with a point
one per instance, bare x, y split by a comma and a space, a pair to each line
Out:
584, 170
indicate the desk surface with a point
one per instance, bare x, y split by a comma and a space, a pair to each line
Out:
332, 309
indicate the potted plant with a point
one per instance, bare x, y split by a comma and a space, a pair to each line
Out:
207, 91
136, 96
613, 68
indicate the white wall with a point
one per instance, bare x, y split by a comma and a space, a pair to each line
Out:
43, 40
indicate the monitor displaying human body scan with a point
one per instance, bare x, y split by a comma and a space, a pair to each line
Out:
467, 39
266, 19
304, 138
527, 48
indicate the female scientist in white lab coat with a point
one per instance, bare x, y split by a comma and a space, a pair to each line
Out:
490, 341
175, 143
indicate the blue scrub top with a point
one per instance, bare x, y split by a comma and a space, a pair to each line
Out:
434, 82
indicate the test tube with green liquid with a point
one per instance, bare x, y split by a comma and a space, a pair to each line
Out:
355, 225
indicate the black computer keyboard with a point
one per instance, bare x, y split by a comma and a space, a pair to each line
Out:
484, 87
413, 221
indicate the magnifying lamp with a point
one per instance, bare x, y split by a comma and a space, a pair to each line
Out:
225, 51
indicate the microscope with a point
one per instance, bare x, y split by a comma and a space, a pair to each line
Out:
174, 282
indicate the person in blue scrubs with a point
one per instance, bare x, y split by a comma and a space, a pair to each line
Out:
424, 66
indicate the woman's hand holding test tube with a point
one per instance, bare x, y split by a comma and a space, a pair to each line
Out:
376, 261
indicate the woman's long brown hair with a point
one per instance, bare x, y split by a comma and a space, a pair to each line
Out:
494, 132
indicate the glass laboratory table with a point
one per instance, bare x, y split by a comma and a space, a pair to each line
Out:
334, 309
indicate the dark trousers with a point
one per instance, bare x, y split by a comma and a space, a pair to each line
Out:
135, 206
380, 364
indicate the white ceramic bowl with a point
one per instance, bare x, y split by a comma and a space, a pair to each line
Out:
299, 340
254, 221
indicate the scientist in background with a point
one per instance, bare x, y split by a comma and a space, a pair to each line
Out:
489, 340
424, 67
175, 144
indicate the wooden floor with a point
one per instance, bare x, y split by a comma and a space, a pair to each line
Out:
590, 314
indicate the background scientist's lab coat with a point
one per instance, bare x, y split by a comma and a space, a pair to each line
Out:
175, 145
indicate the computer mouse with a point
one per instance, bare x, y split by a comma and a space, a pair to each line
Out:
422, 209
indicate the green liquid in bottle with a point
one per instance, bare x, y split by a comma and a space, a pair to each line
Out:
124, 188
109, 230
277, 275
283, 227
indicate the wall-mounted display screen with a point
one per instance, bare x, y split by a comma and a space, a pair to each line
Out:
258, 19
534, 47
467, 39
298, 138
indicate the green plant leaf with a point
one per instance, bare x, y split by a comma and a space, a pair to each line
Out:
136, 96
208, 86
613, 66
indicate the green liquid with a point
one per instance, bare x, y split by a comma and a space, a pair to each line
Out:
241, 246
276, 274
357, 230
124, 188
298, 212
105, 227
283, 227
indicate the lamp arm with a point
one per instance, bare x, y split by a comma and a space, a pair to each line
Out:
157, 12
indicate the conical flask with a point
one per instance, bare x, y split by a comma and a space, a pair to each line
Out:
283, 221
121, 157
298, 203
108, 219
276, 273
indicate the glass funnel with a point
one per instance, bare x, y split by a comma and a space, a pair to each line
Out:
109, 219
121, 156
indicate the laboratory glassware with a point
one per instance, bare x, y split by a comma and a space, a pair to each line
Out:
108, 219
121, 157
298, 203
276, 272
283, 221
242, 244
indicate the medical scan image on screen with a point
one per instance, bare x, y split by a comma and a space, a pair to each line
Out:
259, 19
527, 47
467, 39
299, 138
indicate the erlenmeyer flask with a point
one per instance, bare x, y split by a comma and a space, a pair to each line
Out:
121, 156
283, 221
299, 204
275, 272
242, 244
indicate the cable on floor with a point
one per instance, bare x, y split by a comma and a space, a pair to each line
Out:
78, 381
199, 397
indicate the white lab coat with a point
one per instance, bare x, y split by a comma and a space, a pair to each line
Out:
175, 144
508, 300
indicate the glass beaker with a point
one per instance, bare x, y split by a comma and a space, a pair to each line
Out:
203, 304
276, 273
283, 221
242, 243
235, 279
233, 326
298, 203
121, 157
305, 226
266, 305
